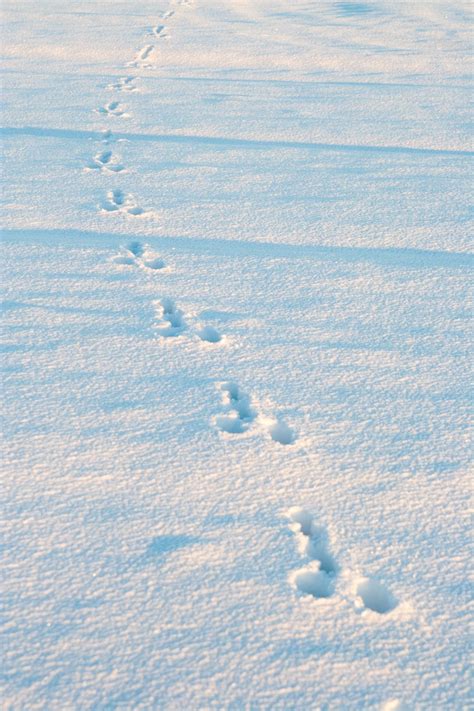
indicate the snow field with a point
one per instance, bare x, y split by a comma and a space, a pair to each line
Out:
235, 277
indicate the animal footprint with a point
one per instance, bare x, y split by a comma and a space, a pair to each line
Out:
209, 334
142, 56
146, 258
280, 432
311, 580
238, 412
129, 255
106, 162
374, 596
136, 254
317, 578
123, 84
172, 319
115, 201
174, 316
118, 201
113, 108
159, 31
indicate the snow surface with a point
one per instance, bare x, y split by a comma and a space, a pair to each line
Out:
235, 364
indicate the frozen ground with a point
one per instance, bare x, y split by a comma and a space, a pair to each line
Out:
235, 363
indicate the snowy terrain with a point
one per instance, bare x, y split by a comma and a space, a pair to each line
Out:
235, 278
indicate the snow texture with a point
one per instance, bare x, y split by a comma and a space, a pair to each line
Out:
235, 361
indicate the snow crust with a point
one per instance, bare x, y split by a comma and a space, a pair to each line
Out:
235, 364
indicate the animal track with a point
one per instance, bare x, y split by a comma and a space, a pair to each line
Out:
318, 577
142, 56
172, 317
146, 51
136, 254
118, 201
209, 334
113, 108
311, 580
159, 31
238, 411
106, 162
123, 84
374, 596
280, 432
115, 201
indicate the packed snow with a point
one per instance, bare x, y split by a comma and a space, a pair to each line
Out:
236, 336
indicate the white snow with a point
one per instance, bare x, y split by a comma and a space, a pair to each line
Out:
236, 332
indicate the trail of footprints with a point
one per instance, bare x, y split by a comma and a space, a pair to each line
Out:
318, 577
116, 201
239, 414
